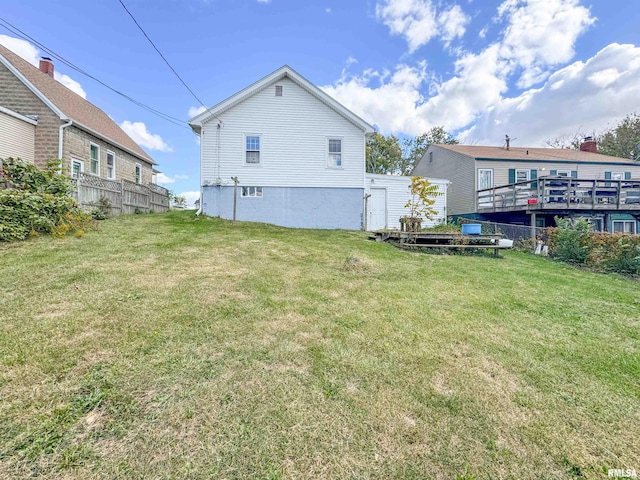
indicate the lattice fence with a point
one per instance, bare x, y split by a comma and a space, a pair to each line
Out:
123, 196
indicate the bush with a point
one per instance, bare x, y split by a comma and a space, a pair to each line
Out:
38, 202
572, 240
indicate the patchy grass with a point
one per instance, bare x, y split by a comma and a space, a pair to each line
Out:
167, 347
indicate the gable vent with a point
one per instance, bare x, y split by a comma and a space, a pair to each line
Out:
278, 90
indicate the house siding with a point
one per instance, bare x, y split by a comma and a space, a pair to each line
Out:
459, 169
398, 194
298, 207
16, 138
294, 129
15, 96
76, 145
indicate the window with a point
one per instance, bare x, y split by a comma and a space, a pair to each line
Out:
138, 173
624, 226
563, 173
485, 178
252, 150
334, 160
111, 165
617, 175
522, 175
77, 166
95, 159
252, 191
278, 90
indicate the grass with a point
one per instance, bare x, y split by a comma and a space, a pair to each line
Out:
166, 347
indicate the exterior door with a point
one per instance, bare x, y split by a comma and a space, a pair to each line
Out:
377, 209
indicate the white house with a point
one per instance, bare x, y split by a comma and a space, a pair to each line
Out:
387, 195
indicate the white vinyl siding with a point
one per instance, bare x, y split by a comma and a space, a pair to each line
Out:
16, 138
293, 132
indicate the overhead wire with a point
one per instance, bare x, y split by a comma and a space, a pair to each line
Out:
24, 36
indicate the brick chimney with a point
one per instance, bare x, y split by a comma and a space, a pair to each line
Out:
589, 145
46, 66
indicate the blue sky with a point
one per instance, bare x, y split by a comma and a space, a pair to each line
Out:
533, 69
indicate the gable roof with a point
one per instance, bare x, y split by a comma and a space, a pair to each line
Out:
283, 72
535, 154
69, 105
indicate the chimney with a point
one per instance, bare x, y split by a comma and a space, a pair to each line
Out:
589, 145
46, 66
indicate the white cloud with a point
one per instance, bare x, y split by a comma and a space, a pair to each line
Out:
139, 133
569, 102
194, 111
418, 21
191, 197
264, 1
181, 177
166, 179
328, 10
31, 54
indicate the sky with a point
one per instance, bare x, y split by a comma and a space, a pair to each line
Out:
535, 70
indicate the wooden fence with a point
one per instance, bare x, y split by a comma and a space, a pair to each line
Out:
123, 196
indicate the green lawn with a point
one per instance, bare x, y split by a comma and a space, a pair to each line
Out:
165, 347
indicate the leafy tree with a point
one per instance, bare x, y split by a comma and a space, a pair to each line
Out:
415, 148
383, 154
423, 197
622, 140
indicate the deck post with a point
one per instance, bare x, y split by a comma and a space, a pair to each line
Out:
533, 226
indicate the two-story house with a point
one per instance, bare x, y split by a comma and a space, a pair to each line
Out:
282, 151
530, 186
48, 121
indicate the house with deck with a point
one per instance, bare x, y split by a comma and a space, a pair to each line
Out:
282, 151
531, 186
42, 120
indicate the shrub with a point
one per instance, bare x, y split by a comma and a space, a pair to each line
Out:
37, 203
572, 240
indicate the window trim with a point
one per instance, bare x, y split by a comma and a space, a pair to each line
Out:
97, 159
567, 172
492, 177
528, 171
245, 192
245, 150
619, 174
632, 222
279, 90
335, 167
135, 176
109, 152
80, 162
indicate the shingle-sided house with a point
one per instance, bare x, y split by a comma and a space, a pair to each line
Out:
531, 186
65, 125
298, 156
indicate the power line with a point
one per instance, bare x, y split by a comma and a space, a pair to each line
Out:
16, 31
160, 53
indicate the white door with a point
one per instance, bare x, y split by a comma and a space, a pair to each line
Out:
377, 209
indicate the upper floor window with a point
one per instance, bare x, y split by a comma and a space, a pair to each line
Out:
485, 178
95, 159
252, 149
138, 173
278, 90
77, 166
522, 175
334, 159
111, 165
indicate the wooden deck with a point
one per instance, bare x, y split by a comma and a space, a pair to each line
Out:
439, 240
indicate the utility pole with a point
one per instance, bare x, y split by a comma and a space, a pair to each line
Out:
235, 196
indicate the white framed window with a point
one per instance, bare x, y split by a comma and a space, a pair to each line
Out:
278, 90
334, 156
94, 156
624, 226
138, 174
563, 173
111, 165
485, 178
617, 175
252, 149
522, 175
252, 191
77, 166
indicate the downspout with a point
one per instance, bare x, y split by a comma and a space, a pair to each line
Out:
60, 141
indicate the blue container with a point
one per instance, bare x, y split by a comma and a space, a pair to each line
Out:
471, 228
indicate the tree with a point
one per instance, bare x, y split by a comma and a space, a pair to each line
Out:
384, 154
622, 140
571, 142
415, 148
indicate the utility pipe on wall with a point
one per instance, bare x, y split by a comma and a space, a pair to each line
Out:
235, 196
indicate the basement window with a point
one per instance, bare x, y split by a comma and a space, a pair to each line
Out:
278, 90
252, 191
624, 226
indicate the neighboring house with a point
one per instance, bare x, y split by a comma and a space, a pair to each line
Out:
531, 186
17, 135
297, 154
68, 127
387, 196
